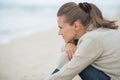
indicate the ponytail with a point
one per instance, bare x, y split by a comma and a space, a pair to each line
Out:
97, 19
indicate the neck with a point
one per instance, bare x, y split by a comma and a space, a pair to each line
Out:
81, 32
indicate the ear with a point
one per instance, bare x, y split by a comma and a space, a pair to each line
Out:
77, 25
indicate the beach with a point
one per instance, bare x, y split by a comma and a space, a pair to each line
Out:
29, 42
33, 57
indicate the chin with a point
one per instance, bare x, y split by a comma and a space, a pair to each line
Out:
65, 41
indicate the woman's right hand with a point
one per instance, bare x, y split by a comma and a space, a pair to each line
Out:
70, 50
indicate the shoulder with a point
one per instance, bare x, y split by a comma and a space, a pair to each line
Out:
94, 35
99, 33
90, 35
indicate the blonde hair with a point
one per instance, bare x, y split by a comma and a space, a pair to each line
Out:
87, 13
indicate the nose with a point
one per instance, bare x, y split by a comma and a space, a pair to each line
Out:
60, 32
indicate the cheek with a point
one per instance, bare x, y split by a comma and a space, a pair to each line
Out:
70, 35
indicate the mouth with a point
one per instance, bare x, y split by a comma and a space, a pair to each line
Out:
63, 37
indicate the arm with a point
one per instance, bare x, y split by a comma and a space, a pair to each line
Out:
67, 53
87, 51
62, 60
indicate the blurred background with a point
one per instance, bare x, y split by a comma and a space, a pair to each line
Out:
29, 42
22, 17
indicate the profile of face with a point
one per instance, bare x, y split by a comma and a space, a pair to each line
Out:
67, 31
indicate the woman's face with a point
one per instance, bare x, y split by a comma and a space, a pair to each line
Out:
67, 31
70, 32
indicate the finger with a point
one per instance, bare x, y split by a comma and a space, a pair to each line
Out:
73, 48
70, 51
66, 54
69, 55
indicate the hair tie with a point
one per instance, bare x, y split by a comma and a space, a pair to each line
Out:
85, 6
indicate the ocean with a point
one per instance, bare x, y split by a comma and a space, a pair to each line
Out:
19, 20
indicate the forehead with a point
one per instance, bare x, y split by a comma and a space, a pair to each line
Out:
61, 19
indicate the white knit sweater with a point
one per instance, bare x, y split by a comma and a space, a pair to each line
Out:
100, 48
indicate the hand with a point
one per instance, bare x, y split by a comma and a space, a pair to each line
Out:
70, 50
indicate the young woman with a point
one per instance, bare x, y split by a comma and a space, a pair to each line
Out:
97, 56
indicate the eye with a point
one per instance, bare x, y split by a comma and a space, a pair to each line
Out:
60, 27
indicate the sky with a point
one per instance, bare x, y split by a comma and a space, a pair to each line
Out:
113, 6
110, 2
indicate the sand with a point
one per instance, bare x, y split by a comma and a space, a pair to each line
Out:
32, 57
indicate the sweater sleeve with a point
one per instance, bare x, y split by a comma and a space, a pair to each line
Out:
62, 60
87, 52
